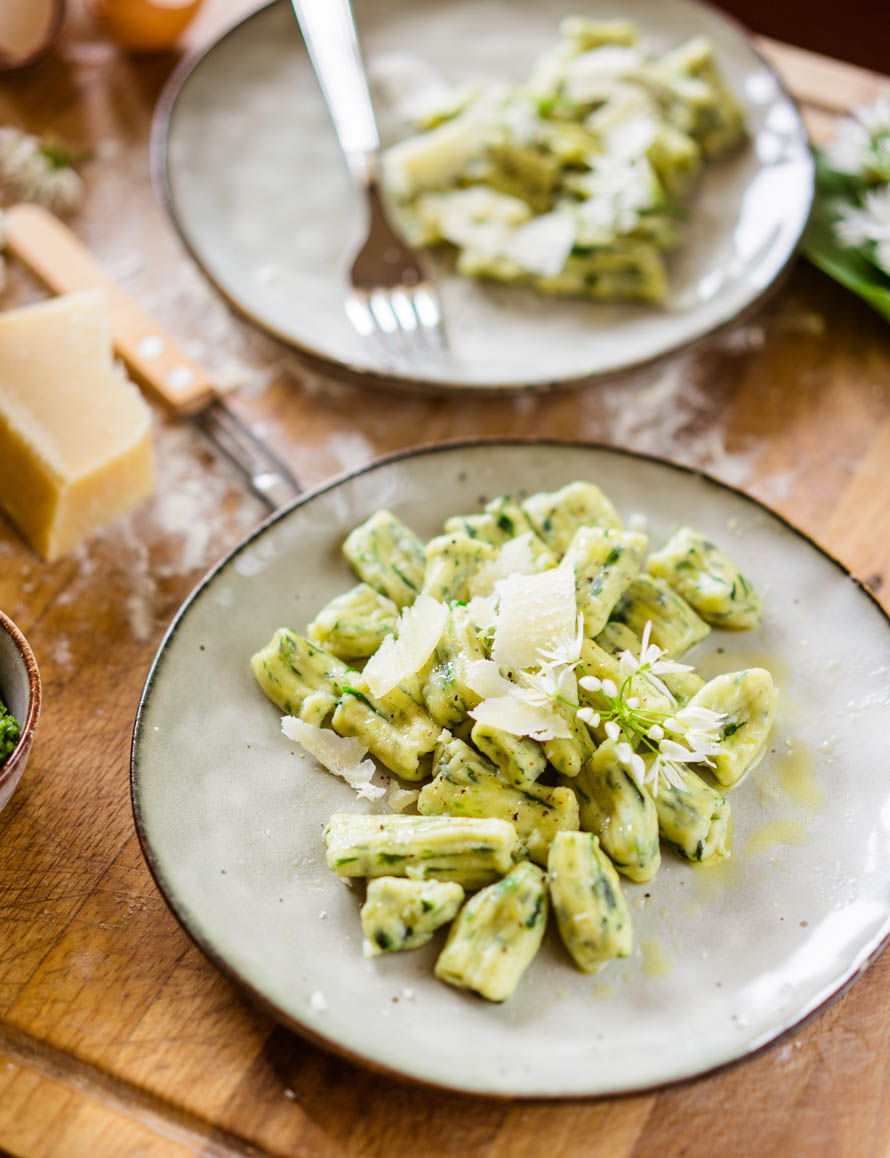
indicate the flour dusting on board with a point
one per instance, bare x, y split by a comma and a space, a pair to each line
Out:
666, 410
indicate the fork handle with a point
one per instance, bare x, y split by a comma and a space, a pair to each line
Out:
328, 29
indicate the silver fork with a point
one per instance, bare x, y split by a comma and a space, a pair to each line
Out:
393, 304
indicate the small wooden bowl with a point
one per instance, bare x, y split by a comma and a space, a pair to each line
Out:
20, 691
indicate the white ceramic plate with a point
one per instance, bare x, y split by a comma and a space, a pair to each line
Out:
251, 171
727, 957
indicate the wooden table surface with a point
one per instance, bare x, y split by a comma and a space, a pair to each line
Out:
116, 1036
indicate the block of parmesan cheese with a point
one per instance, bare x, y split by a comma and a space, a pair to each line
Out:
75, 433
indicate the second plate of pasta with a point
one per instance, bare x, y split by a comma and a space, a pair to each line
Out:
725, 956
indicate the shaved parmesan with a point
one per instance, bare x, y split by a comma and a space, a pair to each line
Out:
342, 755
482, 611
542, 245
534, 610
511, 714
401, 656
485, 679
399, 798
516, 557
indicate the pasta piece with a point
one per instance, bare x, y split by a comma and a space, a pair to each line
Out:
614, 808
467, 784
712, 115
675, 626
394, 728
496, 935
388, 556
617, 637
502, 520
748, 701
557, 515
694, 818
708, 580
604, 562
677, 160
404, 914
520, 759
354, 625
510, 517
590, 909
448, 848
626, 270
583, 33
445, 690
299, 677
451, 561
482, 527
568, 756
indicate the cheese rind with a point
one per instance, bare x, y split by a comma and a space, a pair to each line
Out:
75, 434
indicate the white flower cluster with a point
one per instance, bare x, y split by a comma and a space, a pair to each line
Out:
861, 150
32, 170
653, 745
861, 146
689, 736
868, 225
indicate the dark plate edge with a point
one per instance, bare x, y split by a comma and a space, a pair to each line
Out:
305, 1031
342, 371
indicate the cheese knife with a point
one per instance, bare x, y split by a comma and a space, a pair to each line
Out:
51, 251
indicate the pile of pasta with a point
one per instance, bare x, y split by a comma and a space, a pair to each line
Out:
522, 818
577, 180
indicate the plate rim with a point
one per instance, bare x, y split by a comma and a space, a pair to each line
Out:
343, 369
182, 914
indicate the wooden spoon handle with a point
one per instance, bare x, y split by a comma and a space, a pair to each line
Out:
57, 257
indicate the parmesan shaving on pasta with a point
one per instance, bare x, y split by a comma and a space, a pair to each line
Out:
342, 755
512, 714
533, 611
485, 679
482, 611
516, 557
399, 657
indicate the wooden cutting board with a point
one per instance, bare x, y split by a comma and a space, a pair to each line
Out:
116, 1036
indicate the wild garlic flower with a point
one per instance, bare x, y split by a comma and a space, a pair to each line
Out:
861, 146
689, 735
32, 169
868, 225
551, 683
565, 651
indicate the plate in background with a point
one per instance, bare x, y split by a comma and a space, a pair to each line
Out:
726, 958
252, 174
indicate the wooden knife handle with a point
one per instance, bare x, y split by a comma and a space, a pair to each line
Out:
51, 251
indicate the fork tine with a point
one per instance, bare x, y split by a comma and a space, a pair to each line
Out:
426, 306
382, 312
400, 302
359, 315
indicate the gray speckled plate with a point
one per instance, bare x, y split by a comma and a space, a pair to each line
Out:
251, 171
726, 957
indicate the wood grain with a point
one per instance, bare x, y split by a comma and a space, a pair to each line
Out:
116, 1036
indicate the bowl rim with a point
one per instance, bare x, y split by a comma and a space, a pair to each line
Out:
29, 724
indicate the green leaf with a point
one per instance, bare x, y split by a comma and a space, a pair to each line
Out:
852, 268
